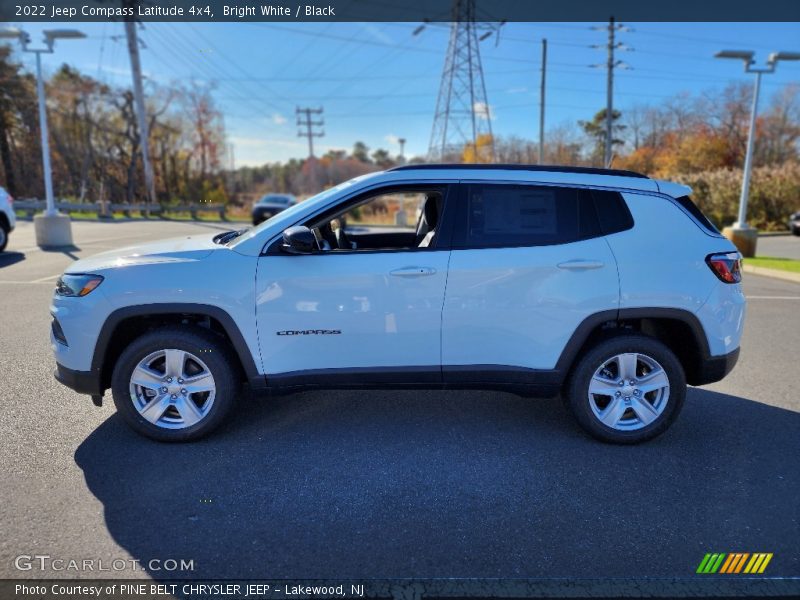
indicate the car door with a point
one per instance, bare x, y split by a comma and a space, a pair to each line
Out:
528, 265
354, 316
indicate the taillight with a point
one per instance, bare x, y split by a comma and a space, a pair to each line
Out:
10, 198
727, 266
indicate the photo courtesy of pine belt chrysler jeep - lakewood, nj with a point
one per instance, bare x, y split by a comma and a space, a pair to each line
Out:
607, 287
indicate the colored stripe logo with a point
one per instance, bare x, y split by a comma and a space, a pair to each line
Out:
734, 563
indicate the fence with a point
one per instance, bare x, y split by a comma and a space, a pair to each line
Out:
102, 209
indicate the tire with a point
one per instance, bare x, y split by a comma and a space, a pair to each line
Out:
3, 236
180, 414
796, 231
628, 414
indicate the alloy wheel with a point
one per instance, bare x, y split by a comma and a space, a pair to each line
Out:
172, 388
628, 391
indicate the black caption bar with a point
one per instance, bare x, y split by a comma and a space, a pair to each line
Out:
398, 10
276, 589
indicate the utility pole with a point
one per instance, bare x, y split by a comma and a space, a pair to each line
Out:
304, 120
610, 93
138, 98
541, 102
611, 63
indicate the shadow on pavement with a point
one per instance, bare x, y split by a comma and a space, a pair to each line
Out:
68, 251
451, 484
10, 258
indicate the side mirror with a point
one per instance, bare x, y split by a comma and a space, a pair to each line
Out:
299, 240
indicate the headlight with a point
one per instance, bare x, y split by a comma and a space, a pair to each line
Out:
77, 285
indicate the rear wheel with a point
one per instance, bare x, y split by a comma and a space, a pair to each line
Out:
3, 236
627, 389
175, 383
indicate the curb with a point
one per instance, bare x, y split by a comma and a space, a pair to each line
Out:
774, 233
775, 273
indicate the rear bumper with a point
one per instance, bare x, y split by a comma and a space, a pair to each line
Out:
83, 382
714, 368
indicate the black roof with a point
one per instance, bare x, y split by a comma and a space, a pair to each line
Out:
540, 168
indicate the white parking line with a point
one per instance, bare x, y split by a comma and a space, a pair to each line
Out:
772, 297
46, 279
86, 242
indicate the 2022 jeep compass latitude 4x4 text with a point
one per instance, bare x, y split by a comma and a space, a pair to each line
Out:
605, 286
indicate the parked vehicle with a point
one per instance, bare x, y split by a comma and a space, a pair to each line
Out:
794, 223
605, 286
7, 217
271, 205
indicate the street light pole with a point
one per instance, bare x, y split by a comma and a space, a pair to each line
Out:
52, 228
48, 175
741, 223
743, 236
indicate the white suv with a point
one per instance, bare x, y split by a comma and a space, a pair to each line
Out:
606, 286
7, 217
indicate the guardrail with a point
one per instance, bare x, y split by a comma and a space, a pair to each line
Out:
104, 209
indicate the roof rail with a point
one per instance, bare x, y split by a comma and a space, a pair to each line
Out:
516, 167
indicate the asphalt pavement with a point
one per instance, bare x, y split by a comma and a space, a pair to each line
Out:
781, 246
392, 483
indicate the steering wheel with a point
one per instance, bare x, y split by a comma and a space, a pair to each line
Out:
342, 241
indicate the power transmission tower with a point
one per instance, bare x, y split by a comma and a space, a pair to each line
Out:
462, 110
304, 120
138, 97
611, 64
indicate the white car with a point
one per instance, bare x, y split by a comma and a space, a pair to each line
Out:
7, 217
605, 286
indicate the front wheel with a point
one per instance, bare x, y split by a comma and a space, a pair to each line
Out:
626, 389
175, 383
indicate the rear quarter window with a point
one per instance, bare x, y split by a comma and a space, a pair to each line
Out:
612, 212
690, 207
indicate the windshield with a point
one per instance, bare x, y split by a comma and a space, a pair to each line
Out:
289, 214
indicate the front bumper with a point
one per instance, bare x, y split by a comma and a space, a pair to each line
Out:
714, 368
83, 382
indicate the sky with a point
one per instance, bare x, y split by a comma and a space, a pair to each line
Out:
378, 82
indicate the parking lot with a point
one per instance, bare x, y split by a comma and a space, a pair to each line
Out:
393, 484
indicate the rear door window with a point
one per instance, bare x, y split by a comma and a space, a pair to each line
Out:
499, 215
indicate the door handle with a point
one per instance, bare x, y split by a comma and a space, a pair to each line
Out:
581, 265
413, 272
